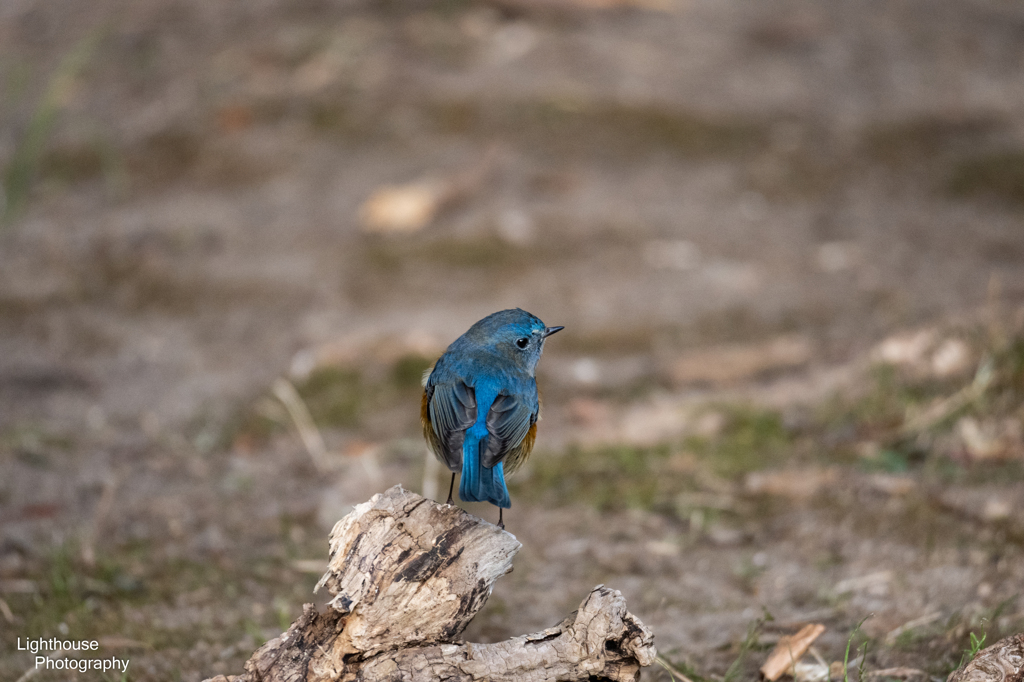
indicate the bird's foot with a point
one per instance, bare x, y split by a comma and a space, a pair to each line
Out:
501, 522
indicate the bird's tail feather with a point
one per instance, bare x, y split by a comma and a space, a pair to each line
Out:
479, 483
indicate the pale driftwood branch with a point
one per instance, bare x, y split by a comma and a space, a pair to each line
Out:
407, 575
1001, 662
408, 571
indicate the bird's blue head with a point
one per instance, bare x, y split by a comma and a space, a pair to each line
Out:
515, 335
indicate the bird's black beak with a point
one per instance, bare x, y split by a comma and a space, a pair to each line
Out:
551, 330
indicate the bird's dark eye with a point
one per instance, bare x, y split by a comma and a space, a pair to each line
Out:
523, 342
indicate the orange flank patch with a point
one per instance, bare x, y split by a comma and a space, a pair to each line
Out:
517, 456
428, 429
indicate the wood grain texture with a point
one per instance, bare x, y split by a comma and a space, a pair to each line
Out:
406, 576
406, 571
1001, 662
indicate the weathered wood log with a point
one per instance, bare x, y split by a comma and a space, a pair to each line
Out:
407, 575
1001, 662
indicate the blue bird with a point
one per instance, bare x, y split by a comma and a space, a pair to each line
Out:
480, 404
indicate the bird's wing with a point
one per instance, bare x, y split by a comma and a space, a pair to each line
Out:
508, 422
451, 409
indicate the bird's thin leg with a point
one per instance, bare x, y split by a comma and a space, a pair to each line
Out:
450, 489
501, 524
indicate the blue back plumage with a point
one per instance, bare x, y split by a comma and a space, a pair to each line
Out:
481, 404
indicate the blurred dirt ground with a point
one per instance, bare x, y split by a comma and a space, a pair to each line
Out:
786, 241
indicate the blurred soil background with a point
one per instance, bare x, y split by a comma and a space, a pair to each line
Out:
786, 239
